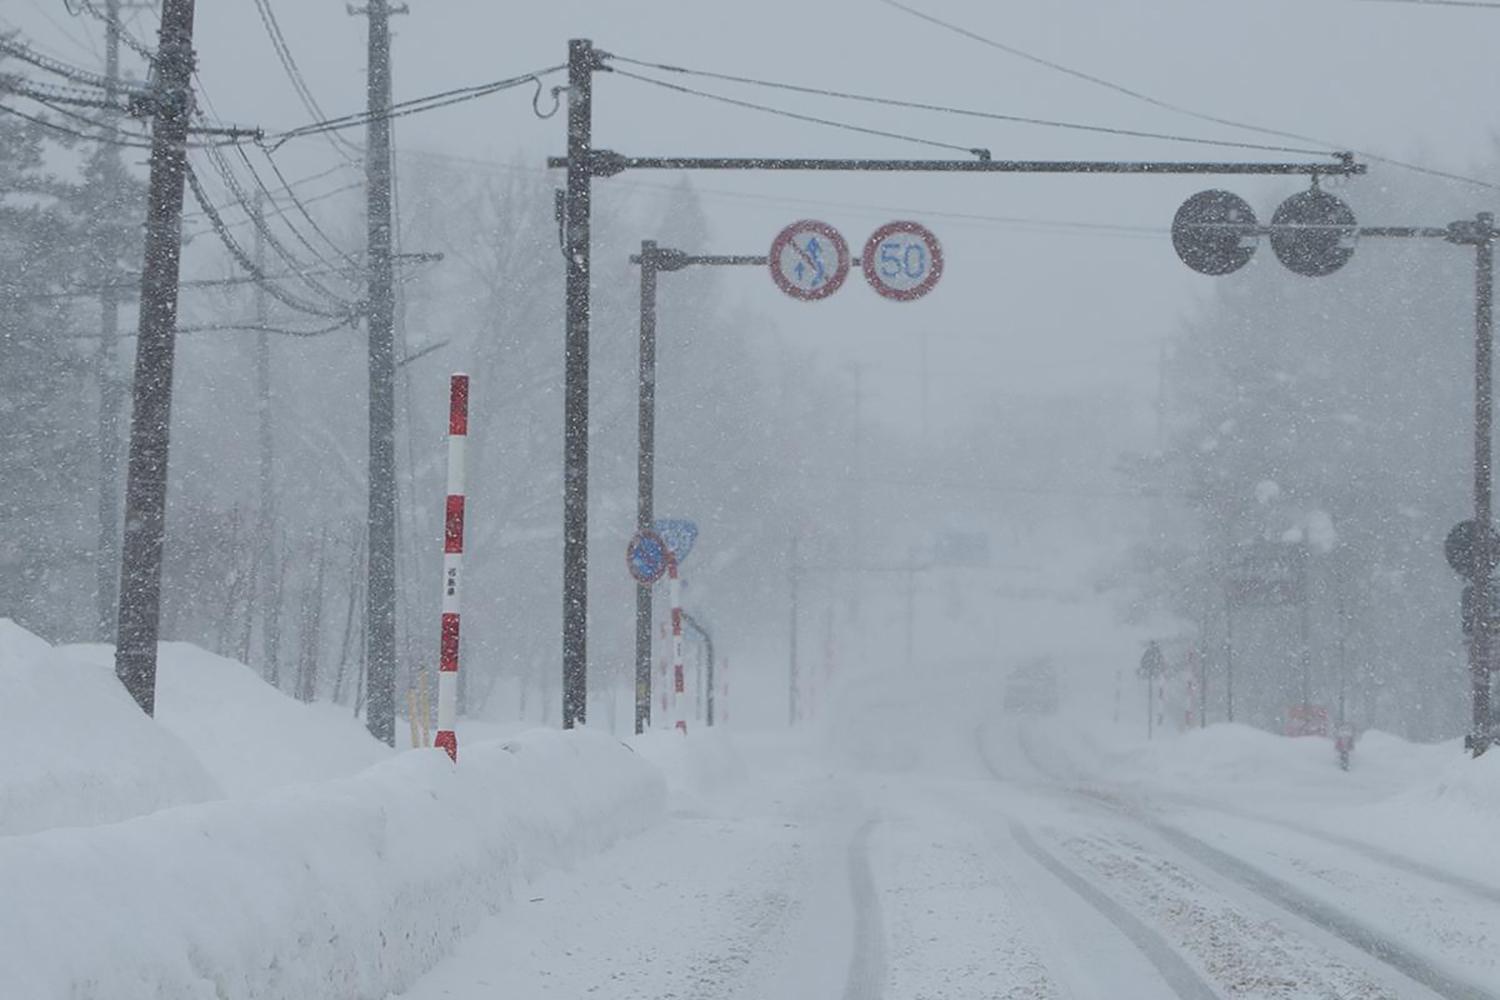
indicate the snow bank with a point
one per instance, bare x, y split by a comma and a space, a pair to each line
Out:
75, 750
704, 762
349, 888
249, 736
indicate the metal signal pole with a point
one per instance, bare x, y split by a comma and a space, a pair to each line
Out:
139, 618
582, 62
583, 163
1479, 649
380, 594
653, 260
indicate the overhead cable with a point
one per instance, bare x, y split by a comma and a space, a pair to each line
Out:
416, 105
1176, 108
797, 116
966, 112
243, 259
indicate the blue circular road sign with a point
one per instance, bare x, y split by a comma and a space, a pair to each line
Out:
647, 557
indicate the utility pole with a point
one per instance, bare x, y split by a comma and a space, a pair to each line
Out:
111, 389
139, 619
582, 62
645, 505
380, 593
1483, 241
265, 529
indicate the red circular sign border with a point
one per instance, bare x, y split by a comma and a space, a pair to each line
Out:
840, 274
934, 248
630, 547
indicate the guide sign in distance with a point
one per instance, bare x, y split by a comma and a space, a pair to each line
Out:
809, 260
647, 556
903, 261
679, 535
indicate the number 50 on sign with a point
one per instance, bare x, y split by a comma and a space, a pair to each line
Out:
903, 261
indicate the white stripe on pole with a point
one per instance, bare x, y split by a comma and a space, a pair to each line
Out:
453, 554
674, 594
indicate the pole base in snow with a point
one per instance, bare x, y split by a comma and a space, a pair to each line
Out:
682, 726
447, 740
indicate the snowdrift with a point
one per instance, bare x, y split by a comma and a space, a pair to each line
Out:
349, 888
248, 735
705, 762
75, 748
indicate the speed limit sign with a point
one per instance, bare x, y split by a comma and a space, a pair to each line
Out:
903, 261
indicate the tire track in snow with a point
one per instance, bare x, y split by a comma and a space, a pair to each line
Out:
1279, 893
867, 968
1172, 967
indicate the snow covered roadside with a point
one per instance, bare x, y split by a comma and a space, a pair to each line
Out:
347, 888
249, 736
76, 750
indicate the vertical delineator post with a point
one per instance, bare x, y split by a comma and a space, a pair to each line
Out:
674, 595
453, 556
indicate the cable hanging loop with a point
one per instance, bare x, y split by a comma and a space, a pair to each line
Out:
536, 107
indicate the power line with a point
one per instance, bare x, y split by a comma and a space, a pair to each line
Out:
294, 73
966, 112
57, 67
237, 193
299, 204
53, 126
416, 105
243, 259
783, 113
1442, 3
1168, 105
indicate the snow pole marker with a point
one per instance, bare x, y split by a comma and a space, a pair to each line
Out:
674, 594
453, 554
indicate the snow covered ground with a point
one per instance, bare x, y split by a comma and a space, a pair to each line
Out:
916, 843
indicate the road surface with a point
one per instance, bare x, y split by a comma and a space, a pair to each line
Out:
983, 865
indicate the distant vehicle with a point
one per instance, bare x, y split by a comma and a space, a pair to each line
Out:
1032, 687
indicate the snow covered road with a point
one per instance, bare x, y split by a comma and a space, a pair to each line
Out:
986, 876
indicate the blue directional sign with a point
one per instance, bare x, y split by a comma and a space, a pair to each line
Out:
679, 536
647, 557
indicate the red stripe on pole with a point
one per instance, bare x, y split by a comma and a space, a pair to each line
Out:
458, 405
453, 528
447, 740
448, 646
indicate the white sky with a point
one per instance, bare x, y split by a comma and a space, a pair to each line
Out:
1020, 309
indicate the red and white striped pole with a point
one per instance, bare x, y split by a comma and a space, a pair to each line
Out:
674, 594
453, 555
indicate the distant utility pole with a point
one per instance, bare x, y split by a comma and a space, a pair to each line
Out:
111, 390
266, 555
150, 419
380, 594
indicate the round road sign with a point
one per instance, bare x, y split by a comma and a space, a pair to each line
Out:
1204, 236
903, 261
1313, 252
809, 260
1458, 548
647, 556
